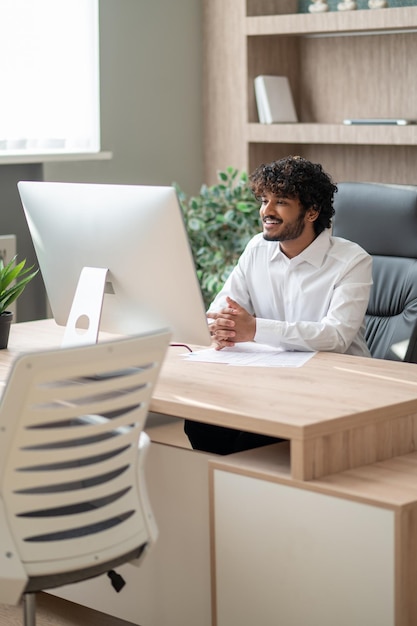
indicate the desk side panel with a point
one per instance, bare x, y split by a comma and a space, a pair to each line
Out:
290, 556
353, 447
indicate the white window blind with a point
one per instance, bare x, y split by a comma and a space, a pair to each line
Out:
49, 77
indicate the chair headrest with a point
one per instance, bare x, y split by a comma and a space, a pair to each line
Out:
381, 218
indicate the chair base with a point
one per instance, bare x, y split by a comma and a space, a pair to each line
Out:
40, 583
29, 609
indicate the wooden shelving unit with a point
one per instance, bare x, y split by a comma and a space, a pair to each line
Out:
339, 64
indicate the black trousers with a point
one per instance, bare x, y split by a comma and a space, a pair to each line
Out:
222, 440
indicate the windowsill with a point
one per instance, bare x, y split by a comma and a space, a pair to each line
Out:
54, 158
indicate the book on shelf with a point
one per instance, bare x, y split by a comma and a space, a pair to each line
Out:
274, 100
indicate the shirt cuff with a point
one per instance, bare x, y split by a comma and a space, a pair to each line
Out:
268, 332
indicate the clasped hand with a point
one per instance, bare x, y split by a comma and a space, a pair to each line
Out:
231, 325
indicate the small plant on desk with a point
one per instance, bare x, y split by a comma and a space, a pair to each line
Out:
13, 279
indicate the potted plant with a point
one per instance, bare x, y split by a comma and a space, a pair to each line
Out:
13, 279
219, 222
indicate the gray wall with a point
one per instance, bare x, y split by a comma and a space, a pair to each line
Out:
31, 304
151, 114
151, 103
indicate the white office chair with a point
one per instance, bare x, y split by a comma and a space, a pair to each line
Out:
73, 501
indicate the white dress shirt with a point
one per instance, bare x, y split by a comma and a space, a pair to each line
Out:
314, 301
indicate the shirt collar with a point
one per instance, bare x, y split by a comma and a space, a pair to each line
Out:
313, 254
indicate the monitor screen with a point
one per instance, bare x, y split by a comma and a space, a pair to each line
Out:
137, 232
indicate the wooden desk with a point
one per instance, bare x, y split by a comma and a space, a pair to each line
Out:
338, 411
349, 464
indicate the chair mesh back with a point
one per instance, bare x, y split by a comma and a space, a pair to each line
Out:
70, 423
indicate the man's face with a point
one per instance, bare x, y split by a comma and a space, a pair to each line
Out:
283, 219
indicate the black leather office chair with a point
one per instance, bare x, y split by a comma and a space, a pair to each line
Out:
382, 219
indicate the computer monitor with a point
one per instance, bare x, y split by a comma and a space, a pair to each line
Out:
137, 233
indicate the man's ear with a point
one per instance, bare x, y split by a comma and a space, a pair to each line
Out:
312, 214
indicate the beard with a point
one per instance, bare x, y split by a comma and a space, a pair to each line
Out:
290, 231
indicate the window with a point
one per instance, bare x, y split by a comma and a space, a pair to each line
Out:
49, 72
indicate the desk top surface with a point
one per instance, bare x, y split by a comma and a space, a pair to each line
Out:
329, 393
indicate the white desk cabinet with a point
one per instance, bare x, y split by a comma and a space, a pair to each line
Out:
312, 553
293, 557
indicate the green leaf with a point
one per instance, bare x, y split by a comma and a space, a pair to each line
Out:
194, 224
246, 207
13, 280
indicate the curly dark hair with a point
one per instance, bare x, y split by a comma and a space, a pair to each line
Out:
295, 177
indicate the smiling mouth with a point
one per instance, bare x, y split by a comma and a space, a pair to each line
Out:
271, 220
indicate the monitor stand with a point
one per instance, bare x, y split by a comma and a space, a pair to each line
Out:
84, 319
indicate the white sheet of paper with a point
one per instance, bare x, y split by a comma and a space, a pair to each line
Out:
252, 354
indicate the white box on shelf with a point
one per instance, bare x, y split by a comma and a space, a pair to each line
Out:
274, 100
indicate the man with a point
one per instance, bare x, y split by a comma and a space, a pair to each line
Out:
295, 286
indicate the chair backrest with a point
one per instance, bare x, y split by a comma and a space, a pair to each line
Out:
382, 219
71, 493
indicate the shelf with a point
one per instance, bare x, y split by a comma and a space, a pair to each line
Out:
332, 134
13, 159
334, 22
